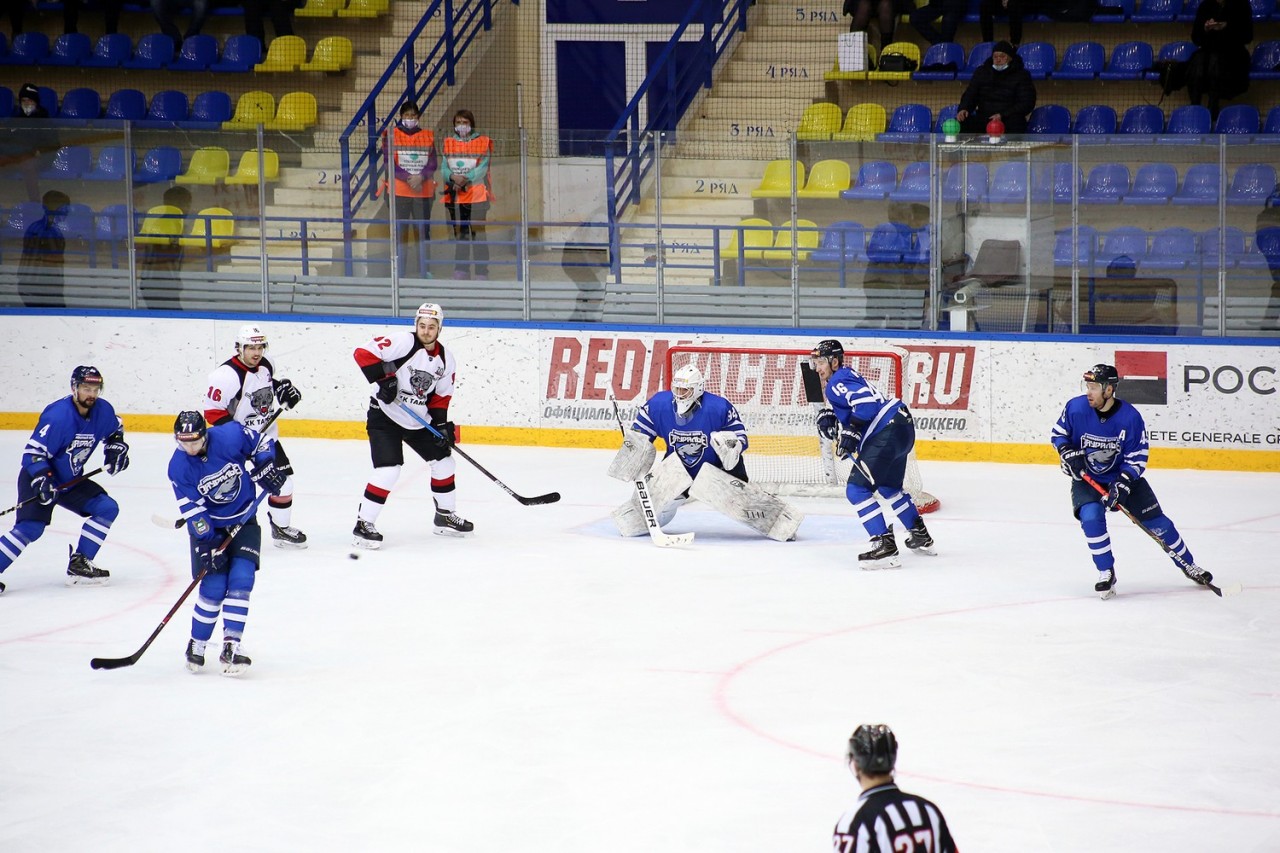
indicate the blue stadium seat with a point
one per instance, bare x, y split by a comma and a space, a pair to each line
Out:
110, 51
68, 49
20, 217
876, 179
1155, 183
1187, 14
1266, 56
1266, 242
197, 54
77, 222
1272, 124
1096, 119
153, 51
1129, 60
1126, 241
1039, 58
1062, 183
27, 49
209, 110
914, 185
111, 225
942, 53
1086, 238
1009, 184
167, 108
1238, 119
126, 105
69, 164
945, 113
842, 241
1081, 61
1252, 184
1186, 123
1174, 51
975, 177
1171, 249
890, 243
111, 165
81, 104
48, 99
981, 53
1263, 10
1200, 186
909, 123
1156, 11
1050, 120
239, 53
160, 164
1147, 118
1236, 254
1107, 184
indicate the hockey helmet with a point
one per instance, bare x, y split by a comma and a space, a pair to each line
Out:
189, 426
1103, 374
429, 311
251, 336
687, 387
830, 348
873, 749
86, 374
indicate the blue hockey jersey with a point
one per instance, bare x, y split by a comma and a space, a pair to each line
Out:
858, 404
690, 436
214, 489
1112, 443
63, 441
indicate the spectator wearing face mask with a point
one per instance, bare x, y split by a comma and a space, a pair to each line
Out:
1001, 88
29, 103
415, 169
467, 194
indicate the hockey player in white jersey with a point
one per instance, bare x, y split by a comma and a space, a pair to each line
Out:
245, 388
412, 370
705, 440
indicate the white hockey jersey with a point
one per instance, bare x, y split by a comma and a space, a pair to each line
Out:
426, 377
244, 395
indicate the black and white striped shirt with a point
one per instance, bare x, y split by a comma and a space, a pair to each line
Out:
887, 820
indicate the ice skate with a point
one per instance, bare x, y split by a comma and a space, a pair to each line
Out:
195, 655
1197, 574
918, 538
883, 553
452, 524
1106, 585
82, 572
366, 536
288, 537
233, 663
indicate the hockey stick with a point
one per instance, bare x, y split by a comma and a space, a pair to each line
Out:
536, 500
660, 538
74, 481
117, 663
1177, 558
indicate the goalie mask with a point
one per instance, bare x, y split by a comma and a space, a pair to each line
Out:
687, 387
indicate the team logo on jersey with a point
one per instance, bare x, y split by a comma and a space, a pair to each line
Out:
422, 381
222, 486
260, 400
79, 450
1102, 452
689, 445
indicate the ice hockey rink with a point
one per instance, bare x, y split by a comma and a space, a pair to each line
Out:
547, 687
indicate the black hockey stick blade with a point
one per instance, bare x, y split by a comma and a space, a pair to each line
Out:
538, 500
114, 663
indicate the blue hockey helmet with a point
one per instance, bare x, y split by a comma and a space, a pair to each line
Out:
1103, 374
189, 426
86, 374
873, 749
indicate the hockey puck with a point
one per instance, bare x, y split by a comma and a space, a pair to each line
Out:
353, 555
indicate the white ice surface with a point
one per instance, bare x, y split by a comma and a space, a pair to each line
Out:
546, 686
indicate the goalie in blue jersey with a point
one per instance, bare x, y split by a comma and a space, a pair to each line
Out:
1102, 437
705, 441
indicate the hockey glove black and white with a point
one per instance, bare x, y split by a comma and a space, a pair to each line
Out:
209, 559
287, 395
727, 447
1073, 462
447, 432
45, 488
115, 454
848, 443
1119, 492
388, 388
268, 476
828, 424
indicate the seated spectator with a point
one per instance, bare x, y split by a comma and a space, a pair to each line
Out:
29, 103
1219, 69
1001, 88
950, 11
165, 10
987, 11
40, 281
280, 12
886, 11
18, 12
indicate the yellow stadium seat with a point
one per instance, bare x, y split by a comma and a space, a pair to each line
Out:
862, 123
908, 49
247, 171
819, 122
252, 109
208, 166
334, 53
827, 179
297, 111
162, 226
321, 8
286, 53
213, 228
836, 74
757, 235
776, 182
365, 9
806, 241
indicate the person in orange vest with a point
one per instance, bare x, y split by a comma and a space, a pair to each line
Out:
467, 194
415, 169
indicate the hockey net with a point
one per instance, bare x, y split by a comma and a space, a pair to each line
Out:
768, 389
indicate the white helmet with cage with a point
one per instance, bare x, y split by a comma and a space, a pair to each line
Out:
687, 387
429, 311
251, 336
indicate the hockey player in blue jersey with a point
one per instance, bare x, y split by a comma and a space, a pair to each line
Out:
215, 492
1100, 435
52, 474
705, 441
877, 434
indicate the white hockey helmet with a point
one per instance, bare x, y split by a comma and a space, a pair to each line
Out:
687, 387
251, 336
429, 311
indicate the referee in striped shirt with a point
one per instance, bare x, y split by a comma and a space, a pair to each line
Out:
886, 819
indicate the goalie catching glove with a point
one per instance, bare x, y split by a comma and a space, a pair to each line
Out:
728, 447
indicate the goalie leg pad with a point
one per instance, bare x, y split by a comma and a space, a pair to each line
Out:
634, 457
755, 507
667, 485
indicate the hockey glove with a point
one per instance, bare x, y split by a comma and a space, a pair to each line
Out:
1073, 462
1119, 492
388, 388
727, 447
211, 559
46, 490
447, 432
828, 425
116, 454
848, 443
268, 476
287, 395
